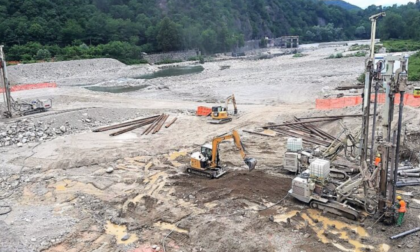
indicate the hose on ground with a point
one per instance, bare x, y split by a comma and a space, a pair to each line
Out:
6, 212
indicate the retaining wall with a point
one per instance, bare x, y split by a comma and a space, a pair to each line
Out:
159, 57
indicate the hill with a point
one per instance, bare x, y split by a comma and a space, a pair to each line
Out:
343, 4
122, 29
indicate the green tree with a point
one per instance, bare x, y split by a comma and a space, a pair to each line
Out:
43, 54
71, 31
360, 31
36, 31
392, 26
168, 38
209, 41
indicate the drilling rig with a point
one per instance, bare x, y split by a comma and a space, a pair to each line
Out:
373, 189
23, 108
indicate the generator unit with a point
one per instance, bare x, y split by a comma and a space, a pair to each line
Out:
295, 159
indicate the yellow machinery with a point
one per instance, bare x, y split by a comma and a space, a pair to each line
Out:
416, 92
206, 162
220, 114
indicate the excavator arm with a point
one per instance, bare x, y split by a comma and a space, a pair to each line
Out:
231, 98
250, 162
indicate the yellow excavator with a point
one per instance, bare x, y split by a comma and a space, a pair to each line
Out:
206, 162
220, 114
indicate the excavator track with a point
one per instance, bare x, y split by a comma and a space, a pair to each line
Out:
206, 173
221, 121
337, 174
336, 208
35, 111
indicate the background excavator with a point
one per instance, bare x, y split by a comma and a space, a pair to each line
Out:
206, 162
220, 115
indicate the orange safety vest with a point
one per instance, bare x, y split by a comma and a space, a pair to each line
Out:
377, 161
402, 208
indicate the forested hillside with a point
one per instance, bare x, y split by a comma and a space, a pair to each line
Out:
39, 29
342, 4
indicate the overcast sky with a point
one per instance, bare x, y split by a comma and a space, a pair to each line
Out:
366, 3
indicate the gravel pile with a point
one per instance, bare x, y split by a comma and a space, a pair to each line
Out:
76, 72
29, 130
25, 131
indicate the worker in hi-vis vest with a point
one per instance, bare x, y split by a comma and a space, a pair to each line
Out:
377, 160
402, 208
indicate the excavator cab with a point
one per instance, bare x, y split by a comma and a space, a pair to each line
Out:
218, 113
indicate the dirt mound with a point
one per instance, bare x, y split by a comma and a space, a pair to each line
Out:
253, 186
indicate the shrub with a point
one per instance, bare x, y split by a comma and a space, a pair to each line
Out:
43, 54
361, 78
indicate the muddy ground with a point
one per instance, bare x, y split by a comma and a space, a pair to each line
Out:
60, 197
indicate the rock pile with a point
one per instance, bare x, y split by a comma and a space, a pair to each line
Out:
25, 131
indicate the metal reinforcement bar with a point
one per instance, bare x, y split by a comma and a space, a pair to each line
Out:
305, 128
160, 124
409, 171
131, 128
124, 124
257, 133
147, 131
305, 138
407, 183
314, 129
297, 123
405, 174
171, 122
321, 117
404, 168
319, 131
405, 233
300, 128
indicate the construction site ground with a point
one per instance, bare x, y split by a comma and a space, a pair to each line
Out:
85, 191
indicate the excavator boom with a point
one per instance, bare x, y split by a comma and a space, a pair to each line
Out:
232, 98
250, 162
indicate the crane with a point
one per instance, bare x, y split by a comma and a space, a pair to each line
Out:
206, 162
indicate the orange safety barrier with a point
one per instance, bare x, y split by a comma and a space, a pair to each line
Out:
30, 86
203, 111
412, 101
335, 103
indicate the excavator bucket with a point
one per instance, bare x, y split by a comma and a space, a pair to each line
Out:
251, 162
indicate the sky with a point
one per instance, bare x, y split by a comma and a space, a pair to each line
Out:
366, 3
